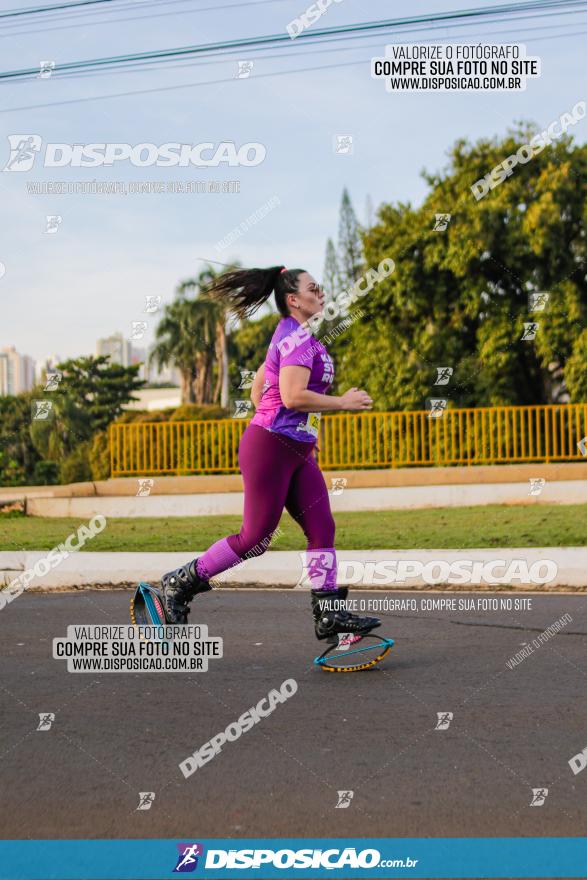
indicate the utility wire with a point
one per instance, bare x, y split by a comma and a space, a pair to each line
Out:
366, 41
226, 80
361, 27
85, 21
13, 13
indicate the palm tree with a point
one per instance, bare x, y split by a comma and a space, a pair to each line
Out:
178, 342
192, 336
219, 313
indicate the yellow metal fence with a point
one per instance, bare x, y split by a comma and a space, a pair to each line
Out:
486, 435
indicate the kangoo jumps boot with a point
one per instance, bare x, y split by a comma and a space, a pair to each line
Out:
178, 588
332, 618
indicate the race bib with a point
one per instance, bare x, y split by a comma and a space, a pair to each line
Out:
311, 425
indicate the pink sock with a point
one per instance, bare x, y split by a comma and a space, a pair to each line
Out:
217, 558
321, 568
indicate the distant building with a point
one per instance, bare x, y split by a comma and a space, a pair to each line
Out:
121, 351
117, 348
48, 365
17, 372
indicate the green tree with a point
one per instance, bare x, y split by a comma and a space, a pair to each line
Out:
248, 347
368, 211
18, 455
97, 389
218, 362
67, 424
459, 297
185, 339
349, 243
331, 274
76, 467
37, 450
90, 395
192, 336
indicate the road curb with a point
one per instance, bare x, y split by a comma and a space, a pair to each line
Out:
283, 569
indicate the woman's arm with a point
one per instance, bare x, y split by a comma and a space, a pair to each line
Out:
293, 387
257, 386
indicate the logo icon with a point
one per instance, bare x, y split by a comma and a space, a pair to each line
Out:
42, 410
146, 799
46, 719
537, 484
242, 408
319, 565
538, 301
444, 719
244, 69
344, 799
338, 485
52, 381
343, 144
23, 149
345, 640
139, 328
530, 330
52, 223
247, 378
152, 304
46, 68
441, 222
539, 795
187, 860
443, 375
436, 407
145, 486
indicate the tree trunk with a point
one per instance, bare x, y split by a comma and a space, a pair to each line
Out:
207, 383
187, 386
203, 382
221, 388
197, 382
224, 394
218, 356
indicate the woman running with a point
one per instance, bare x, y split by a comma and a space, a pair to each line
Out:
276, 452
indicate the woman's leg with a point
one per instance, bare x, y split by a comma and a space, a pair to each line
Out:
308, 503
267, 462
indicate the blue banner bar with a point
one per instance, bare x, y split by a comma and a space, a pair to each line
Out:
294, 857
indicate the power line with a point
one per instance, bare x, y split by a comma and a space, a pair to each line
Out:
230, 79
190, 51
213, 82
229, 55
38, 9
121, 6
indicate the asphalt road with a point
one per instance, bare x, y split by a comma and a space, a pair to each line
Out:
115, 735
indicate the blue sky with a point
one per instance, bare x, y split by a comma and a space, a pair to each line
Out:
61, 292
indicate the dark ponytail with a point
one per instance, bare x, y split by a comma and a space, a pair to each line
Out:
245, 290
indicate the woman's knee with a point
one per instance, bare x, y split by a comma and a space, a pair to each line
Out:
321, 533
255, 543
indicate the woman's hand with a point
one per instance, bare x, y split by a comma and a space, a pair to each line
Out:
355, 400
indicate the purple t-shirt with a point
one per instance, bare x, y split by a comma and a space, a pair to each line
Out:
293, 346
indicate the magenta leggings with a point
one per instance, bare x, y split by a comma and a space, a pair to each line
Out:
278, 473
